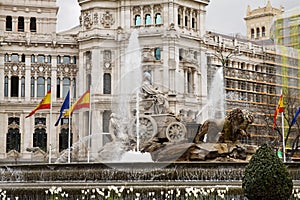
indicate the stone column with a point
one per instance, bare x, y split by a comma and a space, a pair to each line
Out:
3, 130
27, 77
20, 86
2, 76
97, 72
96, 132
26, 131
14, 24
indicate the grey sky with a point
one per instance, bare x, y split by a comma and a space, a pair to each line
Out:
223, 16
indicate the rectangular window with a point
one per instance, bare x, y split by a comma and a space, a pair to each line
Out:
58, 88
66, 60
41, 58
32, 87
14, 86
107, 83
6, 86
8, 23
66, 86
20, 24
32, 24
40, 87
14, 57
23, 86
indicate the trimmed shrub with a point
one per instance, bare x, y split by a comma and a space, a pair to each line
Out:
266, 177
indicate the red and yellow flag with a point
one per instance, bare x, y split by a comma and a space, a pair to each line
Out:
279, 109
45, 103
82, 102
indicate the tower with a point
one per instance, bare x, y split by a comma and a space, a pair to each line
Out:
259, 21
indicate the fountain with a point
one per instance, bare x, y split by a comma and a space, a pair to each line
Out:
154, 153
215, 105
120, 123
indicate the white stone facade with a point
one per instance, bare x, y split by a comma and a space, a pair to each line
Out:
34, 58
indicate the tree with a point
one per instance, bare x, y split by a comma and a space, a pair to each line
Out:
292, 133
266, 177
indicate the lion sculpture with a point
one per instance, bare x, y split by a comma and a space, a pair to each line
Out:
225, 130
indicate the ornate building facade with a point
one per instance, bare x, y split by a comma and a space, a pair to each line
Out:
175, 48
35, 59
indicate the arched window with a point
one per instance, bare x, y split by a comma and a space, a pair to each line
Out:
13, 136
13, 140
186, 21
48, 59
6, 86
40, 135
48, 83
40, 87
157, 54
14, 90
32, 58
40, 138
263, 31
23, 58
32, 88
179, 19
74, 87
257, 33
194, 24
252, 33
88, 80
32, 24
64, 135
58, 88
23, 86
158, 19
58, 60
148, 20
66, 86
8, 23
105, 123
107, 83
6, 58
20, 24
137, 20
180, 54
74, 60
190, 82
105, 126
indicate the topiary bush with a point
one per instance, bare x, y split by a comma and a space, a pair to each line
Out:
266, 177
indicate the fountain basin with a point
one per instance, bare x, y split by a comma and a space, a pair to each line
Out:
32, 180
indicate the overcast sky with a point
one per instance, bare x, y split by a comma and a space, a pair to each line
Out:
223, 16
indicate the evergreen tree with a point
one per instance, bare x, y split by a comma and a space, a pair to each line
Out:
266, 177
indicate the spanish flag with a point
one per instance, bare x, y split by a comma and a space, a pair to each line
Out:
44, 104
82, 102
279, 109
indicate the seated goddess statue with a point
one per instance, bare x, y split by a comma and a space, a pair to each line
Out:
160, 102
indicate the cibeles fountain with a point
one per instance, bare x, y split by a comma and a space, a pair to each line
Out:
155, 153
144, 129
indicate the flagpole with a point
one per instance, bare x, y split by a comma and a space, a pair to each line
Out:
69, 132
90, 115
282, 132
50, 127
283, 139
